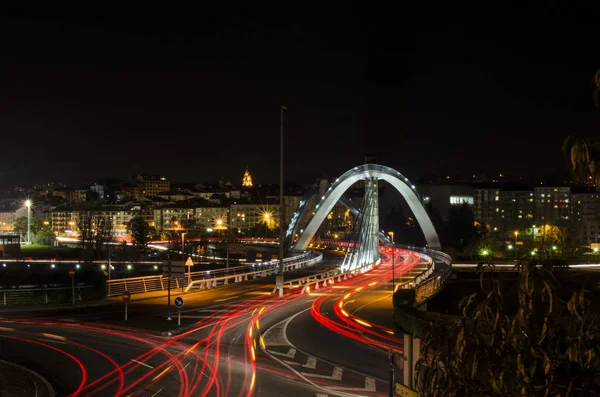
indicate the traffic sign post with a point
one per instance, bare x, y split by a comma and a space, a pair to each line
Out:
189, 263
178, 304
72, 274
126, 296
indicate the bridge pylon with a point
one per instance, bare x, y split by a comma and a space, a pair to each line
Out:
363, 249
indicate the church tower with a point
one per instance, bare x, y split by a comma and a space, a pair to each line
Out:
247, 180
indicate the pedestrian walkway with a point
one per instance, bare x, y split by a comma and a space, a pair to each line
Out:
16, 380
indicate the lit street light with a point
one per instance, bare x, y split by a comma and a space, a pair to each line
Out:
393, 275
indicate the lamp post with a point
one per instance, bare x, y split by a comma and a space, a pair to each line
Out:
393, 275
279, 279
516, 232
281, 236
28, 205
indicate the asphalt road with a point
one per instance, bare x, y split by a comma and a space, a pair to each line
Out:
244, 341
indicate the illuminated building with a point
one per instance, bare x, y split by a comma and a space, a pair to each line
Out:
247, 180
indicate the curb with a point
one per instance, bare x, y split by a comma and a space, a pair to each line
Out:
33, 375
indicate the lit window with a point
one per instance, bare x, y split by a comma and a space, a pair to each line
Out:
458, 200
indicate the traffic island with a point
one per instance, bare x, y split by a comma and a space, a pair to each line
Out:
16, 380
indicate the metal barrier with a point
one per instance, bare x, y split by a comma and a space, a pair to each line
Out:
307, 259
23, 296
208, 279
434, 278
330, 277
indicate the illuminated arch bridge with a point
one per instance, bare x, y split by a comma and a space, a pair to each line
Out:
366, 232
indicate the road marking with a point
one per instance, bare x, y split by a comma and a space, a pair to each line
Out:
52, 341
231, 293
144, 364
337, 374
6, 329
317, 395
182, 369
225, 299
159, 390
205, 316
291, 353
311, 363
369, 384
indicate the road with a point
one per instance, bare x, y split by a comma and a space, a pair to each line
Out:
242, 341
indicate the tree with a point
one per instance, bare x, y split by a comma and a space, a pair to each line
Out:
582, 154
460, 228
140, 231
583, 157
95, 230
20, 225
44, 237
542, 347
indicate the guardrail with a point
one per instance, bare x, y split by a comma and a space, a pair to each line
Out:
208, 279
294, 263
23, 296
330, 277
434, 278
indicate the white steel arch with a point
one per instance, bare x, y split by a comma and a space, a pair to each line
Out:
360, 173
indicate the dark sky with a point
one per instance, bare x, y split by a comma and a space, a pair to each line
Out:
194, 94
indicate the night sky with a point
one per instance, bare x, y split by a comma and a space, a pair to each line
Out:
194, 94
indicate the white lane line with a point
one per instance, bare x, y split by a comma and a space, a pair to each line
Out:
291, 353
159, 390
339, 391
337, 374
182, 369
311, 363
144, 364
52, 341
205, 316
370, 385
317, 395
225, 299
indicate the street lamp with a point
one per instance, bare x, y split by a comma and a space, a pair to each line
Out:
28, 205
516, 233
279, 278
393, 275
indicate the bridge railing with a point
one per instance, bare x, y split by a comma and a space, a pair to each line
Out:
24, 296
434, 278
329, 277
208, 279
308, 258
